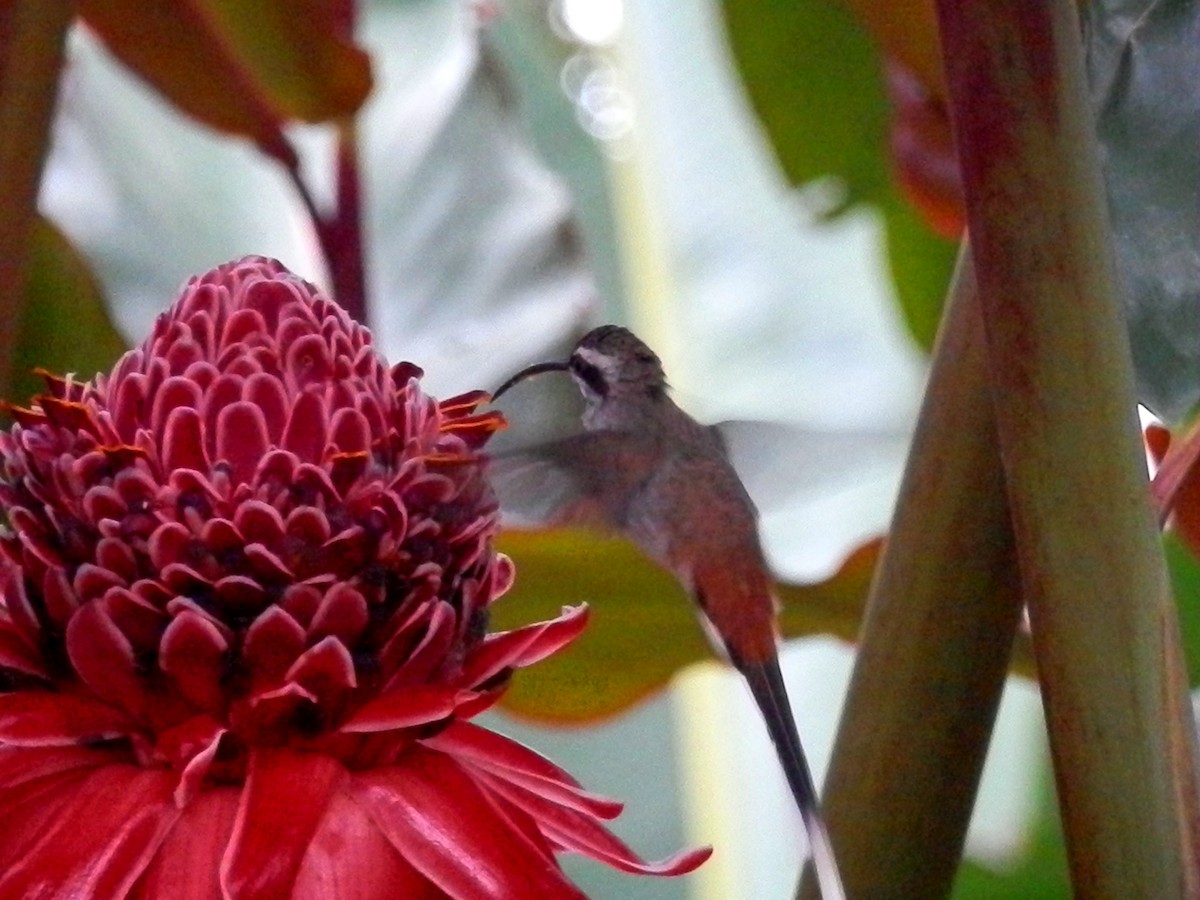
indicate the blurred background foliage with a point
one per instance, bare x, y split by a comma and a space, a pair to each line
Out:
767, 192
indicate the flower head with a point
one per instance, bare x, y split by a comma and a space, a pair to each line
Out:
244, 597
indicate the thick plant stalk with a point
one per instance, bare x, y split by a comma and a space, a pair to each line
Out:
1105, 631
32, 36
936, 636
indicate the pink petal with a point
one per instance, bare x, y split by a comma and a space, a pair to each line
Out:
307, 429
273, 642
348, 859
169, 544
101, 841
20, 611
241, 439
17, 654
193, 655
44, 718
267, 565
187, 864
404, 708
103, 658
266, 392
177, 391
430, 652
259, 522
183, 441
285, 797
524, 646
326, 669
440, 820
342, 614
350, 432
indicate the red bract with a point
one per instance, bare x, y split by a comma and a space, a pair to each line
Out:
245, 588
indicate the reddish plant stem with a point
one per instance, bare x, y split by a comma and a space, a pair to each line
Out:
935, 642
1105, 632
339, 232
32, 39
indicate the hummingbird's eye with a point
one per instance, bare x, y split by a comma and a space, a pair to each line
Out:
589, 375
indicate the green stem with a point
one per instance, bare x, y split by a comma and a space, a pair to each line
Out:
1104, 628
936, 637
32, 37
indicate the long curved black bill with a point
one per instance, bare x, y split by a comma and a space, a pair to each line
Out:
535, 369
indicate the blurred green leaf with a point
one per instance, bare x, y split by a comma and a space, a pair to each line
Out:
242, 66
814, 78
1041, 872
642, 627
1184, 570
64, 326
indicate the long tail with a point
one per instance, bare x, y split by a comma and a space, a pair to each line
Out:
766, 684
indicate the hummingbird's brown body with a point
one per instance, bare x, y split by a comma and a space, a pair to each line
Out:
646, 468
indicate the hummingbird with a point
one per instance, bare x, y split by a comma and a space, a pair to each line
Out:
646, 469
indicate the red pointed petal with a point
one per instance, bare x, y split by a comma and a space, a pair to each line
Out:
188, 863
437, 817
101, 841
273, 643
285, 797
44, 718
349, 859
581, 833
524, 646
326, 670
404, 708
515, 762
431, 651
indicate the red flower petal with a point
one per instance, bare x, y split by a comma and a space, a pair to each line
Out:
21, 766
326, 670
348, 859
581, 833
241, 438
524, 646
516, 763
102, 656
404, 708
192, 747
44, 718
102, 839
273, 642
187, 864
440, 820
285, 797
17, 654
192, 652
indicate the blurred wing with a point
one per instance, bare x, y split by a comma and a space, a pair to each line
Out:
586, 479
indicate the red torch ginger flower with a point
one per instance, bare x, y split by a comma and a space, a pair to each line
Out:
243, 626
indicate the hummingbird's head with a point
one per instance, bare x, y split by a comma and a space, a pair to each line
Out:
611, 360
